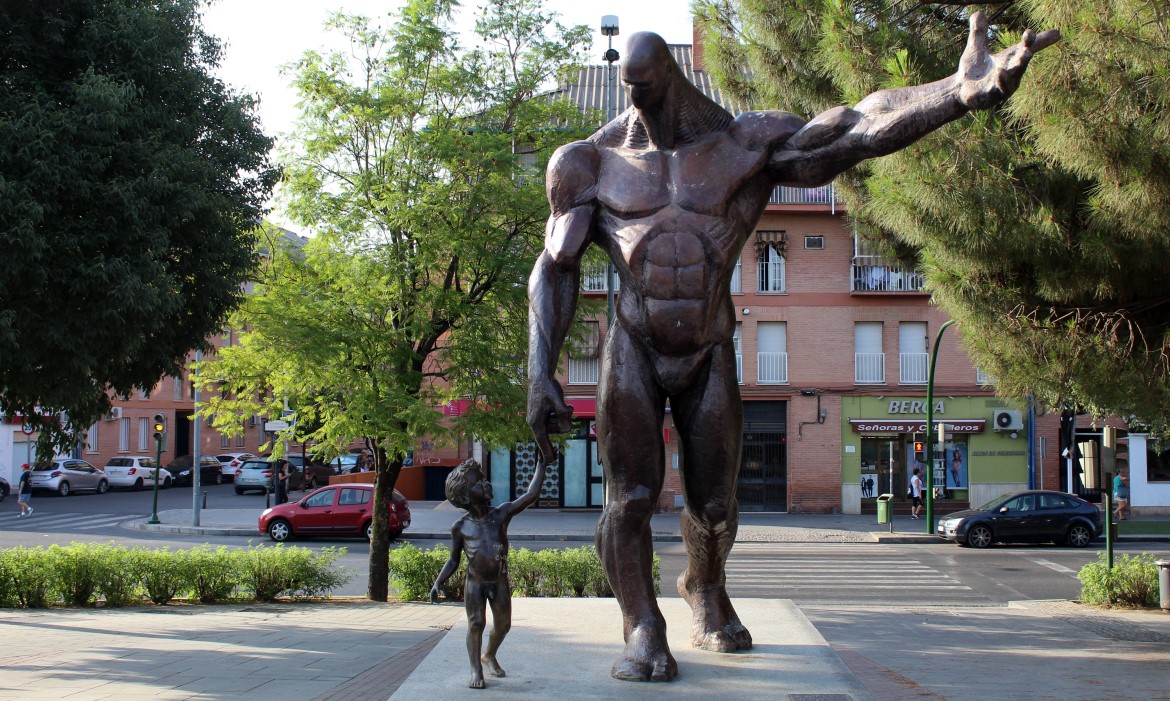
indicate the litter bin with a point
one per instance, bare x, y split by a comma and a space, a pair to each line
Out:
1164, 584
883, 507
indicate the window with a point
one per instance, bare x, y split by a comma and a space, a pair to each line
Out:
352, 497
242, 439
143, 434
737, 277
983, 379
144, 393
1157, 459
913, 360
869, 361
177, 387
123, 435
772, 357
814, 243
770, 248
320, 499
91, 439
737, 342
583, 351
225, 441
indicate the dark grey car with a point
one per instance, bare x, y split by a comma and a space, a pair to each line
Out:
1036, 516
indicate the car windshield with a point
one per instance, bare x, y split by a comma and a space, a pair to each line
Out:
120, 462
253, 465
47, 468
993, 503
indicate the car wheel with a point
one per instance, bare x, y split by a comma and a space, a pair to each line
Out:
219, 478
239, 490
979, 536
368, 531
166, 483
137, 486
1079, 535
279, 530
103, 487
63, 488
395, 535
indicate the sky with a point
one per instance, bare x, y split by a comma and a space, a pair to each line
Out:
260, 36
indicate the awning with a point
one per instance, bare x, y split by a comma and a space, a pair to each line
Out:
583, 407
916, 425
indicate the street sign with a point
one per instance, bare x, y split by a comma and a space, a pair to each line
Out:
26, 428
275, 425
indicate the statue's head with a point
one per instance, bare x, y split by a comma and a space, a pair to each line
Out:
649, 70
462, 482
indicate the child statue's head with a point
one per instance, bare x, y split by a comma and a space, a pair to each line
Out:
461, 481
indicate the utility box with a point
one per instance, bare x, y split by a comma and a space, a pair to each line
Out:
883, 507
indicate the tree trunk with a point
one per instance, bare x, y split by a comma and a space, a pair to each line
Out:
385, 476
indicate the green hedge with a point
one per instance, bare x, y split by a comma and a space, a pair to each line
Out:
1132, 583
552, 572
86, 574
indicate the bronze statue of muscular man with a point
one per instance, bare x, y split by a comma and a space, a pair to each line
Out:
670, 190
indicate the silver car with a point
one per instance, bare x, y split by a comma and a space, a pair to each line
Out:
254, 475
67, 475
135, 472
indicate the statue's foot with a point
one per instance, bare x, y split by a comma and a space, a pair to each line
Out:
646, 658
714, 625
476, 681
493, 666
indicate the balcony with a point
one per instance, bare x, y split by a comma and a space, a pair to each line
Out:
823, 195
876, 274
772, 368
583, 371
913, 368
869, 368
770, 276
593, 279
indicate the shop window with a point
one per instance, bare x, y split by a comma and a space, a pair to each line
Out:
1158, 460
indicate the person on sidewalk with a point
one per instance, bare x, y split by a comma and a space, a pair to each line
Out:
24, 492
280, 481
916, 492
482, 533
1120, 495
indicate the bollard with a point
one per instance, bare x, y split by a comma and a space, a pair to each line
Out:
1164, 584
205, 498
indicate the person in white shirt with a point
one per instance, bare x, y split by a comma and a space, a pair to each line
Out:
916, 492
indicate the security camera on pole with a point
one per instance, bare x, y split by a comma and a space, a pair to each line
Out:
160, 437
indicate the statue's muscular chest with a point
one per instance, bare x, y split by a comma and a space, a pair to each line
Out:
701, 178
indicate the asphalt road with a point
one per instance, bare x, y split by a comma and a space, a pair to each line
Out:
808, 573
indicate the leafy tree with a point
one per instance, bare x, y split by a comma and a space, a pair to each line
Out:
1044, 226
130, 178
419, 166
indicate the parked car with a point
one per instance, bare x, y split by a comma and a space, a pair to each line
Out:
230, 462
344, 464
210, 470
135, 472
1025, 517
253, 475
320, 470
336, 510
67, 475
5, 488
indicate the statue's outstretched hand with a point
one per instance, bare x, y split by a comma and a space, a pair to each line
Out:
986, 79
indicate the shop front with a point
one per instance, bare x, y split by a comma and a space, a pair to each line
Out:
885, 438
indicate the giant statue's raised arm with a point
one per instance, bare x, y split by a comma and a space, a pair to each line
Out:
889, 120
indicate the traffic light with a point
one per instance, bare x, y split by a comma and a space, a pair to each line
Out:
160, 427
1109, 450
920, 451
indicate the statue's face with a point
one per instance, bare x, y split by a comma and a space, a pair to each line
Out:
647, 72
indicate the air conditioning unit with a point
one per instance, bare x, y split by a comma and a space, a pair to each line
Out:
1005, 420
114, 414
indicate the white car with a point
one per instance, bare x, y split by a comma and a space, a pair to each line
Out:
230, 462
135, 472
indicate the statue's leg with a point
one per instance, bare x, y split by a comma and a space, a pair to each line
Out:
709, 419
476, 619
629, 429
501, 603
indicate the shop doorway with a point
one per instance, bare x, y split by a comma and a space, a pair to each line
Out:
883, 466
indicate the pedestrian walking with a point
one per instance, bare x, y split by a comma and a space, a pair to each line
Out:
24, 492
1120, 496
916, 492
280, 478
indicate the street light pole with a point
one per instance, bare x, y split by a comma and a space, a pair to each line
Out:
196, 468
609, 28
930, 428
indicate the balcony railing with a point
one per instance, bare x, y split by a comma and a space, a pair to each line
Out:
874, 274
824, 194
770, 276
583, 371
869, 368
593, 279
772, 368
912, 368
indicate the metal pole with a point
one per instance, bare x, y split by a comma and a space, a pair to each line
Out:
930, 428
196, 468
890, 515
611, 103
157, 459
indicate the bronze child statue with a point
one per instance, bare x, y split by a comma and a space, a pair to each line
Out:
483, 535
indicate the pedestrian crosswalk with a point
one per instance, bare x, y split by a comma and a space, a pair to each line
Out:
45, 520
854, 573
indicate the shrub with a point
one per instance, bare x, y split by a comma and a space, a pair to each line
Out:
268, 572
77, 573
413, 571
162, 573
31, 573
118, 581
1132, 583
211, 573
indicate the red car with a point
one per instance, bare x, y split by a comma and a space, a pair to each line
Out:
336, 510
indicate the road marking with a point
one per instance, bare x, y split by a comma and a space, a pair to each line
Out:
1051, 565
